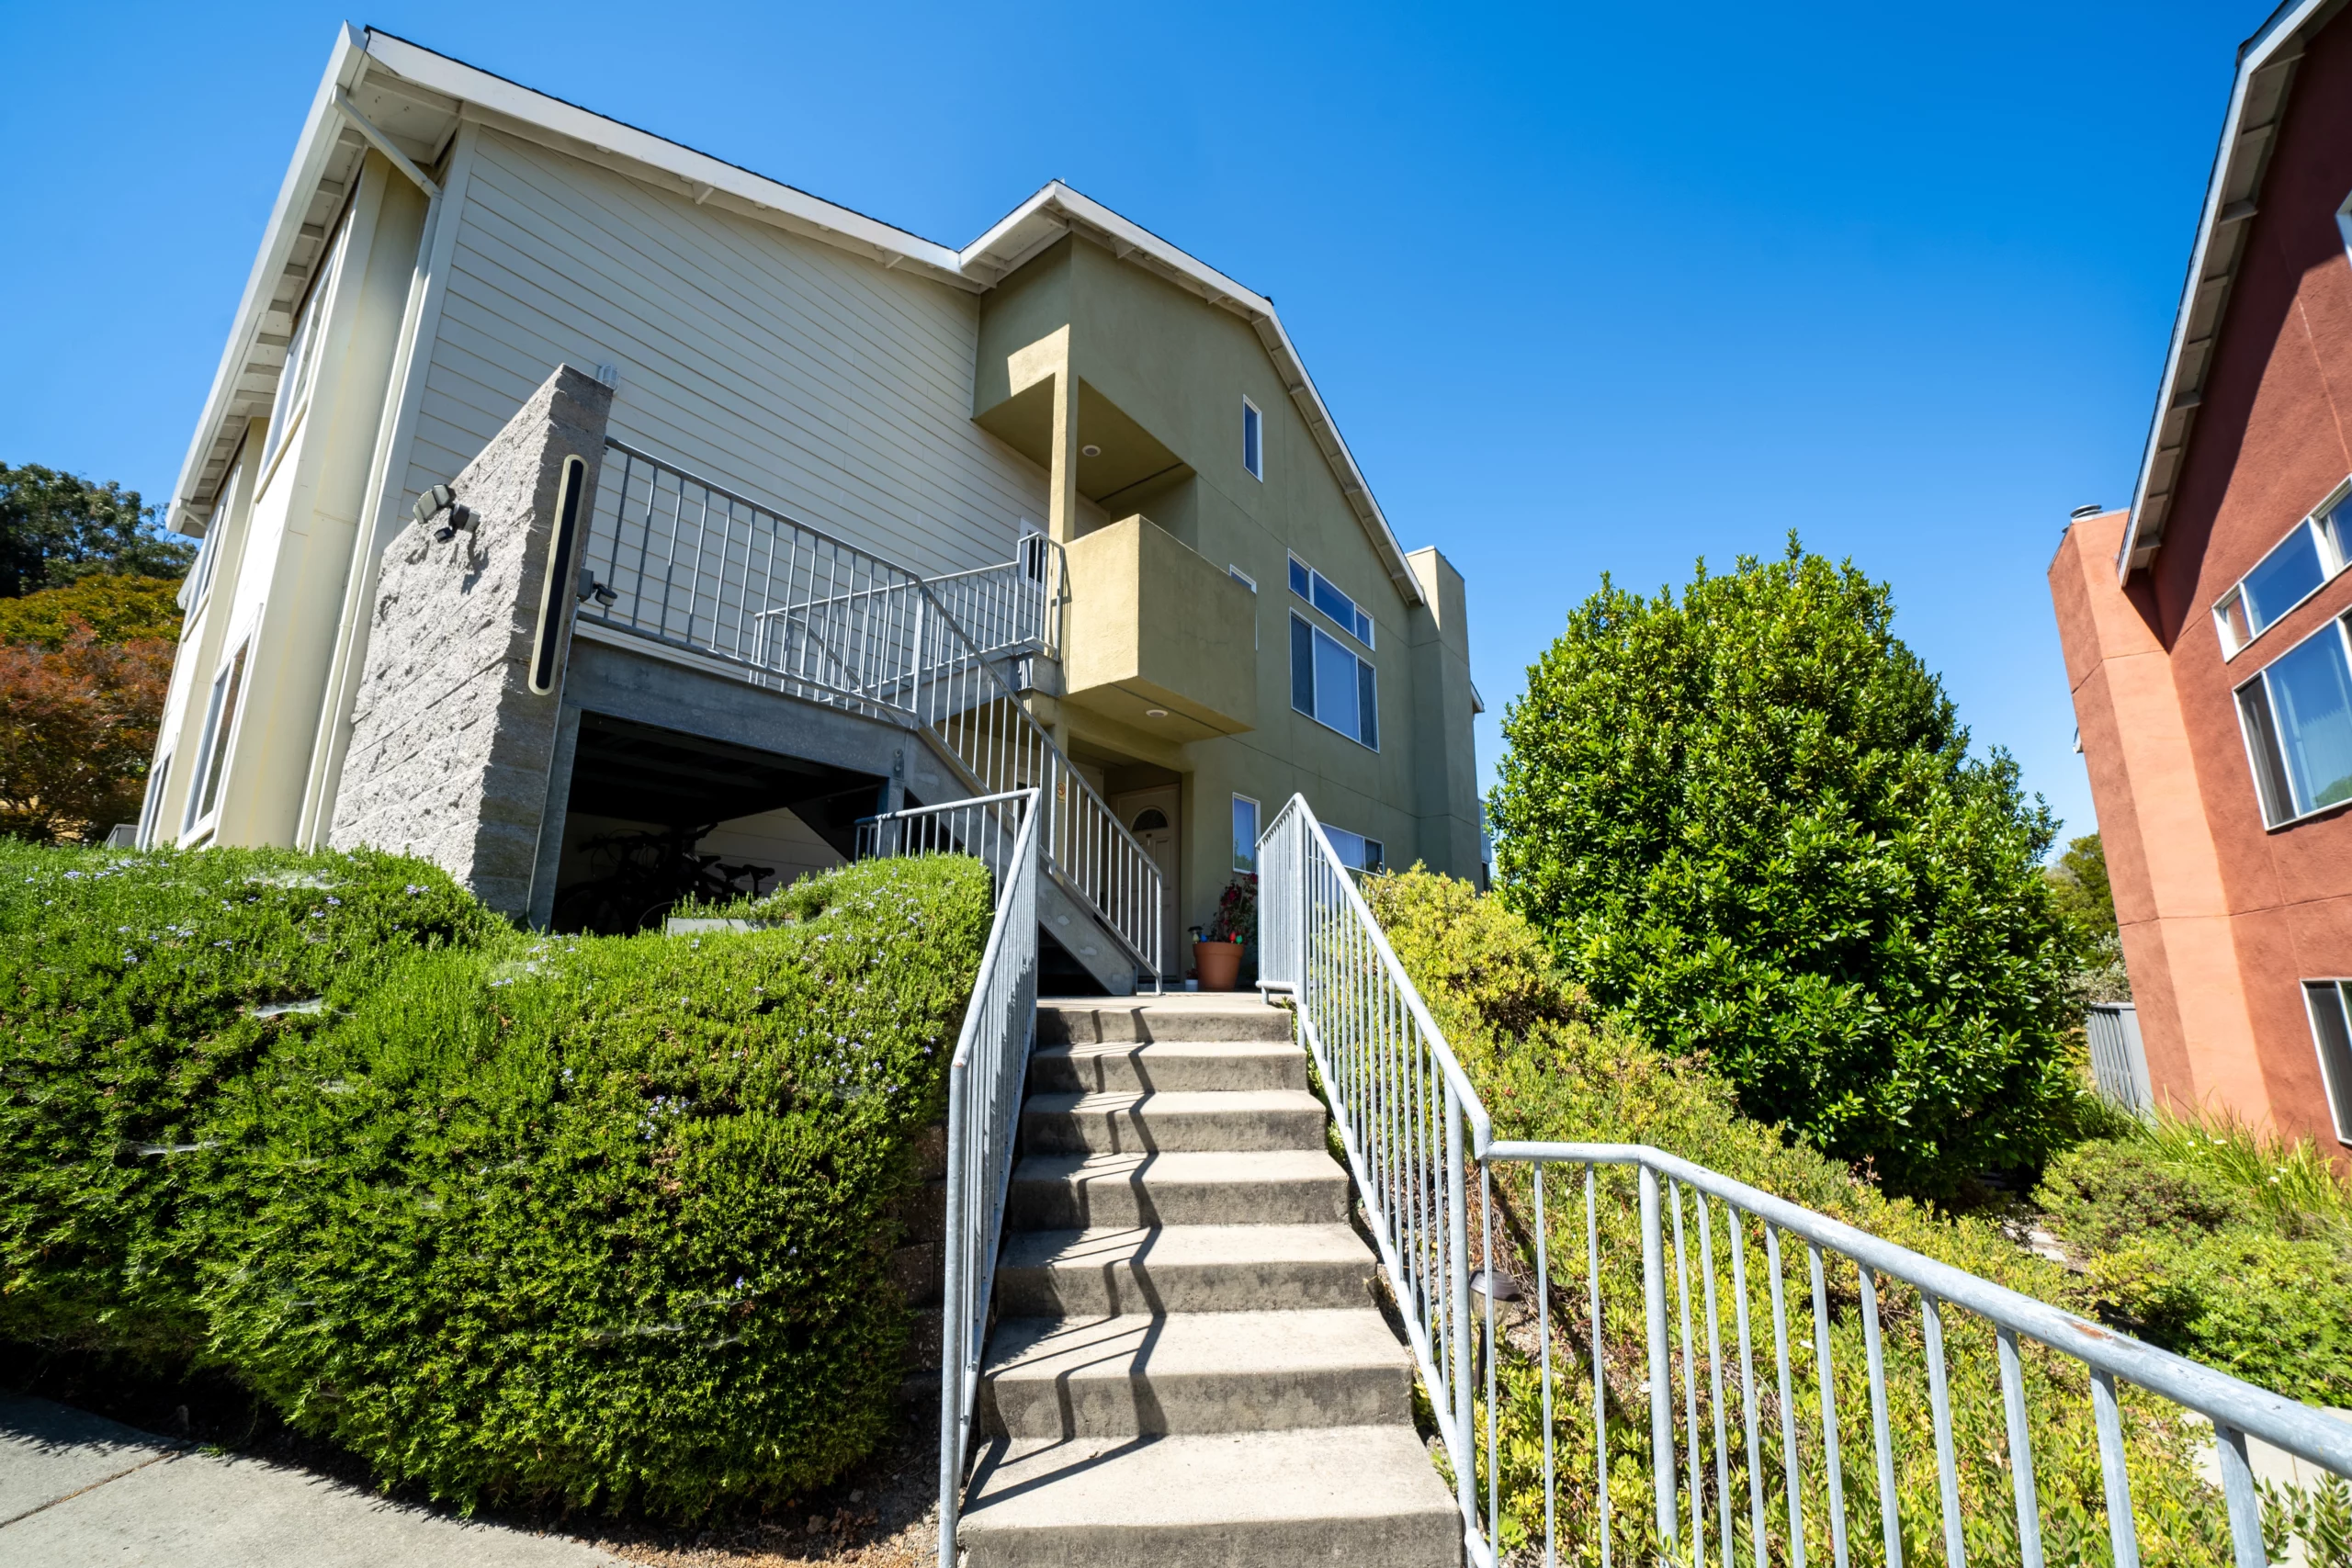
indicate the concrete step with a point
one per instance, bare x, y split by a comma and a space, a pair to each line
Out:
1172, 1269
1239, 1371
1353, 1495
1275, 1187
1182, 1015
1181, 1122
1149, 1066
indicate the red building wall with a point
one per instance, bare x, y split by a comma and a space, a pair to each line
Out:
2223, 917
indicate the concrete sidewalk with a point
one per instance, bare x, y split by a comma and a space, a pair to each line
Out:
78, 1490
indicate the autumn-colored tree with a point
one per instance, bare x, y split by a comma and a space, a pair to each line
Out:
84, 669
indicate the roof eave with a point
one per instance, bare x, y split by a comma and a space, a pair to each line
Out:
1057, 208
2273, 47
321, 128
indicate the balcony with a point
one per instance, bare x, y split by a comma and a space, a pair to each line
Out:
1160, 638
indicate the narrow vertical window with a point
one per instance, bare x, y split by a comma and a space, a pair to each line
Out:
212, 751
547, 645
158, 780
1245, 834
1253, 440
2324, 999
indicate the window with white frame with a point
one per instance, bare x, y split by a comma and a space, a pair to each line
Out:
2313, 552
2333, 1037
212, 749
1253, 440
216, 540
1321, 591
1331, 685
2297, 713
151, 811
1245, 834
300, 369
1356, 851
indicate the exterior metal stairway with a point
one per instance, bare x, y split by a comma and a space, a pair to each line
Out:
674, 560
1189, 1367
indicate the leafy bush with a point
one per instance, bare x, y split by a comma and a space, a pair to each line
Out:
2219, 1243
1549, 1066
130, 990
1748, 821
598, 1220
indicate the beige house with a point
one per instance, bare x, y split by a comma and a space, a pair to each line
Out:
1099, 457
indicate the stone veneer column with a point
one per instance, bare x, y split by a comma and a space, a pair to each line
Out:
449, 746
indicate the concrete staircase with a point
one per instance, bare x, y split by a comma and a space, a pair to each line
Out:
1188, 1369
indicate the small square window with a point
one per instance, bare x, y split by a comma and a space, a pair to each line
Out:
1253, 439
1242, 577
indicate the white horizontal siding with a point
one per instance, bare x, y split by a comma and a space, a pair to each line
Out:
831, 388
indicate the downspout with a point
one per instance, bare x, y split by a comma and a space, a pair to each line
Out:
394, 437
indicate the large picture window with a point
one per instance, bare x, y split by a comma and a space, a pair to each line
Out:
2297, 720
1356, 851
1331, 685
2330, 1033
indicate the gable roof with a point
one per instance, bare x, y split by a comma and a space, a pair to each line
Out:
2265, 70
384, 91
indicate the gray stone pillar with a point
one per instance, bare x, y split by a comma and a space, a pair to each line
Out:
452, 736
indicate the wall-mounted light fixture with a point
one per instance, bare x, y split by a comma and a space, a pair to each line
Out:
436, 501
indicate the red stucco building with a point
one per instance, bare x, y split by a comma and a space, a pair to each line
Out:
2206, 627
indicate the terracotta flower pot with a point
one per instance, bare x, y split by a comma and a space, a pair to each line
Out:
1219, 964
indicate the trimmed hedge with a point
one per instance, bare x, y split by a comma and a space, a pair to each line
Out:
596, 1220
128, 989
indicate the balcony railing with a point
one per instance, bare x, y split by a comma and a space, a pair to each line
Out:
677, 560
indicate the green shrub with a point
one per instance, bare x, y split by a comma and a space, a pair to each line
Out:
591, 1220
1748, 820
1548, 1068
2218, 1242
128, 988
608, 1221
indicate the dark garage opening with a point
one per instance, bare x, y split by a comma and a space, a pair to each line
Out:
655, 816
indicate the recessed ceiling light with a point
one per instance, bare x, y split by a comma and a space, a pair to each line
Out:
1090, 451
1155, 712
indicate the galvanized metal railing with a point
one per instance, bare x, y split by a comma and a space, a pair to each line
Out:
984, 826
1414, 1130
678, 561
984, 1084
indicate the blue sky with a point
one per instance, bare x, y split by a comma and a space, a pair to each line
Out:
1589, 288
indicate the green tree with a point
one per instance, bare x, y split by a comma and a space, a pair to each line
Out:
2085, 901
1748, 822
56, 527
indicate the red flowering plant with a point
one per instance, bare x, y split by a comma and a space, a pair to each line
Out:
1236, 912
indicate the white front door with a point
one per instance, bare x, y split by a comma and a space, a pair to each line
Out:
1150, 816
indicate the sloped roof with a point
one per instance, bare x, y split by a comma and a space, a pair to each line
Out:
382, 89
2257, 106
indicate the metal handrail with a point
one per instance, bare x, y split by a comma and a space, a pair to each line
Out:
1412, 1125
984, 1085
675, 560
